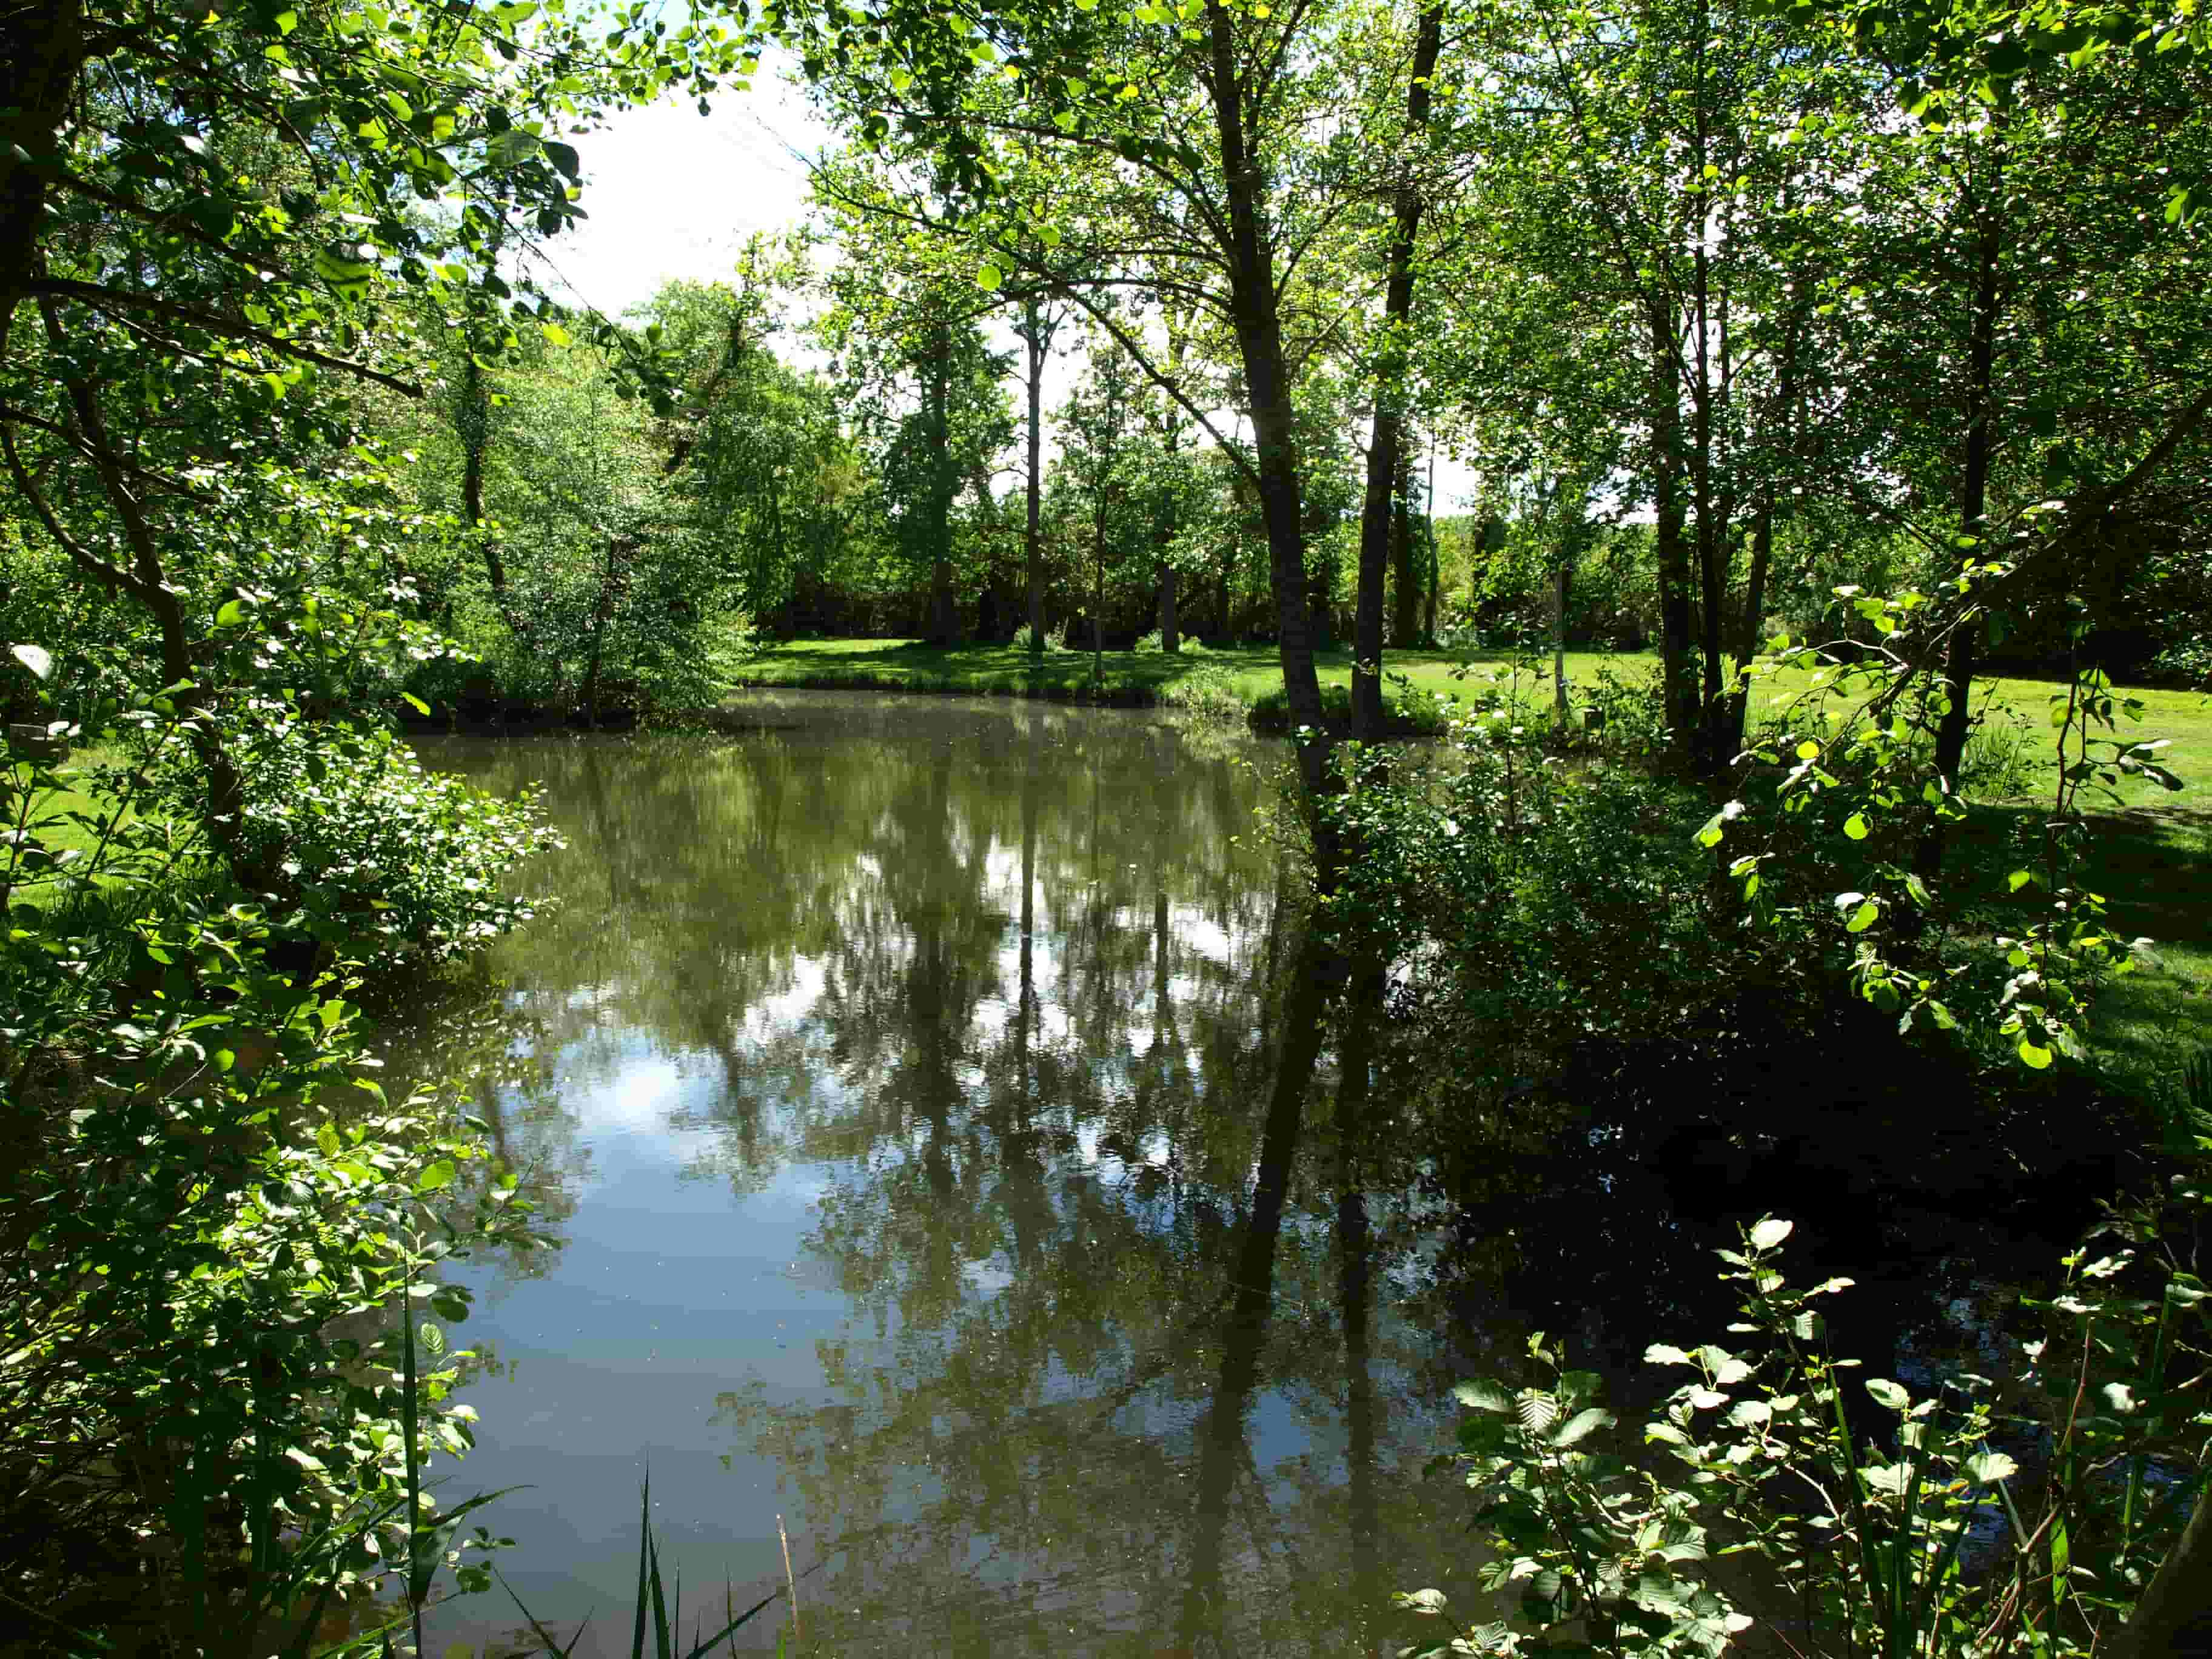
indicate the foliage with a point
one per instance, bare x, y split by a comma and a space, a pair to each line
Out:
2021, 1515
219, 1224
1844, 796
221, 1230
1540, 898
1579, 1535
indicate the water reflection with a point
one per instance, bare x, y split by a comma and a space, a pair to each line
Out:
960, 1140
967, 1155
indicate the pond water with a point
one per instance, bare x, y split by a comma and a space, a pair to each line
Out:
969, 1169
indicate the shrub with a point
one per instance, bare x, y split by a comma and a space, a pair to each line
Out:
1865, 1535
377, 856
223, 1242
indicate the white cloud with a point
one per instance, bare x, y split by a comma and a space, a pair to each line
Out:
671, 193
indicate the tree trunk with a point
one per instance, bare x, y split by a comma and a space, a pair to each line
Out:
43, 47
1973, 511
1405, 580
475, 424
1560, 578
1266, 382
602, 614
1673, 558
1033, 338
1171, 638
943, 614
1385, 451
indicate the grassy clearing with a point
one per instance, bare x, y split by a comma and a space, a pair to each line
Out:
51, 809
1252, 677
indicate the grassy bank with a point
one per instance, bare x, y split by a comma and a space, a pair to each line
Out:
1248, 678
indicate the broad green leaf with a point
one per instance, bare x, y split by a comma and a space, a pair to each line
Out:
1990, 1467
1484, 1397
1888, 1393
1582, 1424
1770, 1232
36, 657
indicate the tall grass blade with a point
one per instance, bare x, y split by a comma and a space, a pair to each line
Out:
644, 1558
409, 1420
552, 1646
731, 1629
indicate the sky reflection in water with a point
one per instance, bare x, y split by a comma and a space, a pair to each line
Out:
954, 1157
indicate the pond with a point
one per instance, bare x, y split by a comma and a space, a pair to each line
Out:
970, 1169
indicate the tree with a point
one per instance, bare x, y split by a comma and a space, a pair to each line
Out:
1181, 137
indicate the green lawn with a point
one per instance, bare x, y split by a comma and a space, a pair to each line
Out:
62, 835
1252, 675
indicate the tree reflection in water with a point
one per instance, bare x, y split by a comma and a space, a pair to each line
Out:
1151, 1251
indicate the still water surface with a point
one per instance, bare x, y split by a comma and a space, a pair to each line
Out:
965, 1158
956, 1161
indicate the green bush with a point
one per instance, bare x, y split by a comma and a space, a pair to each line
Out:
217, 1386
2037, 1516
221, 1236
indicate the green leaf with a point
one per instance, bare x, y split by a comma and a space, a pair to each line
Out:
1888, 1393
437, 1177
36, 657
1770, 1232
1855, 826
1536, 1409
1582, 1424
2034, 1054
1863, 917
1990, 1467
1484, 1397
555, 334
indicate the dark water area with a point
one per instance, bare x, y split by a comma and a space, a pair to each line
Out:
968, 1159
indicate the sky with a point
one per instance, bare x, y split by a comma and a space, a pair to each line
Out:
671, 193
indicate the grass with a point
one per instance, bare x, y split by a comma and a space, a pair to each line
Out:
1246, 675
49, 810
1252, 676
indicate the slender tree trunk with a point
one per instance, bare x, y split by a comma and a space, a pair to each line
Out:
1098, 594
1034, 340
944, 615
1406, 582
602, 614
1673, 558
1266, 382
1973, 512
1751, 627
475, 425
1385, 450
1712, 531
43, 48
1170, 635
1560, 578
